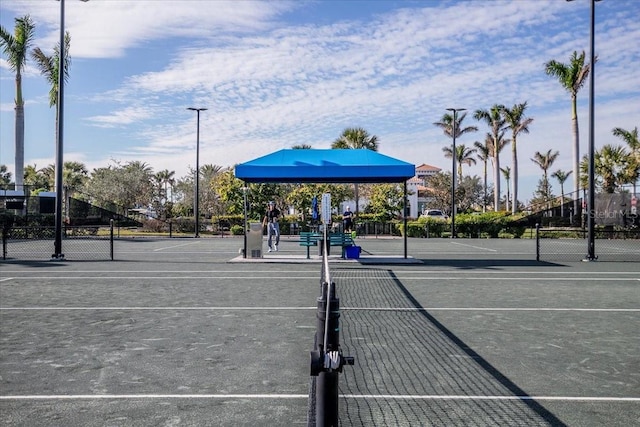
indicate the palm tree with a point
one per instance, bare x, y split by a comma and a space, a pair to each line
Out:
35, 179
355, 138
496, 123
561, 176
572, 77
518, 123
545, 161
463, 155
49, 172
611, 164
301, 147
49, 67
5, 175
166, 177
484, 154
506, 172
631, 138
447, 125
16, 48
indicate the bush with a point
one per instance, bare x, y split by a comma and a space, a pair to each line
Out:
237, 230
424, 227
490, 224
154, 226
476, 225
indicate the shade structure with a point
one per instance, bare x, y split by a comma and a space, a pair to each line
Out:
325, 166
328, 166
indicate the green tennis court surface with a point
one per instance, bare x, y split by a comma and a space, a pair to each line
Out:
172, 333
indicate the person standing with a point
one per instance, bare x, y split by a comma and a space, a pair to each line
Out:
271, 218
347, 220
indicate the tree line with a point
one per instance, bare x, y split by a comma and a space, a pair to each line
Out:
615, 165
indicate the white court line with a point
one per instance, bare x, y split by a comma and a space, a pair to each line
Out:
463, 397
531, 279
474, 247
306, 396
174, 246
4, 280
424, 309
401, 309
155, 308
398, 272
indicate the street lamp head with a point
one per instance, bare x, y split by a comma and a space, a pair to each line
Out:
196, 109
456, 109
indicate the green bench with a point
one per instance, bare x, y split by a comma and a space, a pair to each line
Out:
309, 239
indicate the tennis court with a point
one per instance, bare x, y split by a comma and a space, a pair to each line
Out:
172, 333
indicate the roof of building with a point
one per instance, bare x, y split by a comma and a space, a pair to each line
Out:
427, 168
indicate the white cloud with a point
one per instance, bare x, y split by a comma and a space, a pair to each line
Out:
270, 84
106, 29
123, 117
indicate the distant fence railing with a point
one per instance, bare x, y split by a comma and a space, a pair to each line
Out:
79, 243
570, 244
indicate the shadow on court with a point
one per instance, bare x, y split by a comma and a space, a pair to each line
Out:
405, 356
488, 263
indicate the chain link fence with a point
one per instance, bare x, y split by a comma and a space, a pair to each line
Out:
79, 243
569, 244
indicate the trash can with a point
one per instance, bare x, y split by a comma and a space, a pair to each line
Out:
353, 252
254, 240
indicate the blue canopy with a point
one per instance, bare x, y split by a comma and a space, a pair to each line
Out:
327, 166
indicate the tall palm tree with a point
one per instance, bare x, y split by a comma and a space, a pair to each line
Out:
516, 120
356, 138
631, 138
495, 121
562, 177
49, 67
484, 154
506, 172
447, 125
16, 48
572, 77
545, 161
166, 177
464, 155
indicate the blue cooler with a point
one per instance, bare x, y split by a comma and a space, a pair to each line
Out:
353, 252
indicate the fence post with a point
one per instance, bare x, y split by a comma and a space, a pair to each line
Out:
5, 231
170, 229
537, 242
111, 238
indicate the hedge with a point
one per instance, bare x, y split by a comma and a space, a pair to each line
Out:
490, 224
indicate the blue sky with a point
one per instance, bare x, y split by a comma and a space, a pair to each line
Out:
277, 73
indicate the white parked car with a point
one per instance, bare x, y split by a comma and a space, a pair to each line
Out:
435, 214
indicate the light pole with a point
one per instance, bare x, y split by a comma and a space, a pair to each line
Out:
591, 199
591, 246
59, 141
196, 201
454, 131
245, 190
